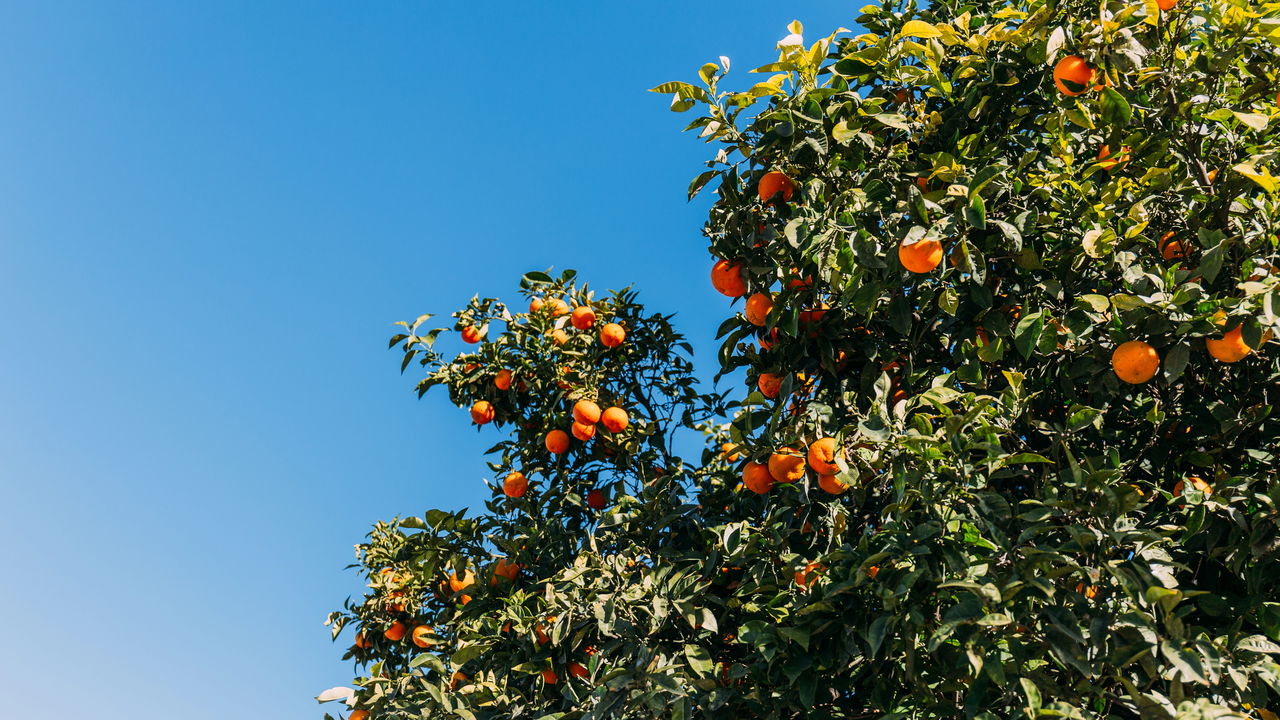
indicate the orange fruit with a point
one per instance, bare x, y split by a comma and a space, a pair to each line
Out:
583, 317
457, 584
813, 315
515, 485
1089, 591
1075, 70
1230, 348
596, 499
558, 307
1172, 248
1212, 175
1106, 162
774, 182
831, 484
535, 305
396, 632
358, 715
757, 309
921, 256
586, 412
362, 640
582, 431
559, 336
726, 278
612, 335
1166, 4
502, 380
1135, 362
540, 631
728, 453
614, 419
556, 441
822, 456
786, 465
457, 679
901, 96
504, 569
804, 578
471, 334
578, 670
482, 412
923, 184
873, 571
756, 478
898, 396
549, 677
767, 342
421, 635
769, 384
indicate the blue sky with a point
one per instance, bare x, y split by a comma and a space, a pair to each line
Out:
210, 216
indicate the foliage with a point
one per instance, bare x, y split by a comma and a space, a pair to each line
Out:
1024, 534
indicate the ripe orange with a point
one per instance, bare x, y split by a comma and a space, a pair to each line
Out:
504, 569
540, 631
767, 341
921, 256
358, 715
804, 578
396, 632
457, 584
786, 465
614, 419
1230, 348
578, 670
457, 679
549, 676
559, 336
814, 315
1106, 162
756, 478
1197, 483
769, 384
557, 442
773, 183
726, 278
362, 640
757, 309
471, 334
515, 485
831, 484
586, 412
482, 412
1166, 4
822, 456
502, 380
901, 96
612, 335
1172, 248
728, 453
596, 499
558, 307
1135, 362
1075, 70
1089, 591
583, 431
535, 304
421, 635
873, 571
583, 317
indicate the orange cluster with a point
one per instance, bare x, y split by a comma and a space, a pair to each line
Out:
788, 465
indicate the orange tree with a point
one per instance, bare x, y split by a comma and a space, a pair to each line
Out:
1008, 446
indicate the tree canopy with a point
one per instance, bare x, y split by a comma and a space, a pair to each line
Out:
1007, 281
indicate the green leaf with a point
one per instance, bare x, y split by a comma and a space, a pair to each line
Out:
1253, 120
1115, 109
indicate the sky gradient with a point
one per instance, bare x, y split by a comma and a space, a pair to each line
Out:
210, 216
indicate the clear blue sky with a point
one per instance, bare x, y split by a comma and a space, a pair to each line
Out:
210, 215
